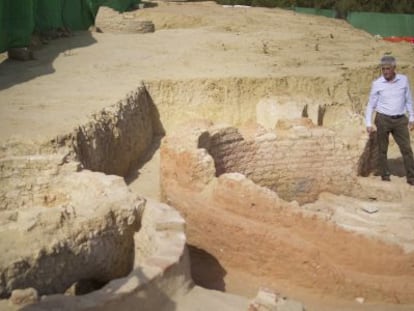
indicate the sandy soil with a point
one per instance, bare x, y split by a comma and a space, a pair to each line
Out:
74, 77
71, 78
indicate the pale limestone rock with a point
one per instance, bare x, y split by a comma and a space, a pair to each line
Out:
370, 209
267, 300
60, 225
24, 296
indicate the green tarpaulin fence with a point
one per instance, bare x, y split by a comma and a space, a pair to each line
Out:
16, 21
20, 18
386, 25
383, 24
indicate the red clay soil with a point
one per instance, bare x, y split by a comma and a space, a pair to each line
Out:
278, 245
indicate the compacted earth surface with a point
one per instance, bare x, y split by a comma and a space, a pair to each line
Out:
237, 65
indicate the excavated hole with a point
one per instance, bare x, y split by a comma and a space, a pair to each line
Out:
120, 138
297, 161
240, 101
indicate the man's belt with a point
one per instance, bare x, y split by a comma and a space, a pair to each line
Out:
396, 116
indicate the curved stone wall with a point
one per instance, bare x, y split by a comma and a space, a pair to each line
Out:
160, 270
298, 160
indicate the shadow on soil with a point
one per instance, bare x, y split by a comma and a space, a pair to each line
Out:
206, 270
13, 72
396, 167
149, 4
93, 300
135, 169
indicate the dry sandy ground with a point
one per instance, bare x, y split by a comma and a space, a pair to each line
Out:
72, 78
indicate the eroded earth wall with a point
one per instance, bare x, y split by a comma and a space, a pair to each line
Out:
234, 100
118, 136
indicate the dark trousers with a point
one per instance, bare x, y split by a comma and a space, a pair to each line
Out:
398, 127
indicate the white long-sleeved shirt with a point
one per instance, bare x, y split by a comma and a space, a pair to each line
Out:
390, 98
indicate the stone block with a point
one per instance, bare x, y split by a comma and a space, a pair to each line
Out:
24, 296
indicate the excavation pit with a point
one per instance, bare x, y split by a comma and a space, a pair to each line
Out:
295, 187
227, 65
287, 204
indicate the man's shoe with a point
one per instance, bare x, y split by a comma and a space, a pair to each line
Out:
410, 182
387, 178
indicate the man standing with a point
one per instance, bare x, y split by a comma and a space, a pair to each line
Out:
391, 98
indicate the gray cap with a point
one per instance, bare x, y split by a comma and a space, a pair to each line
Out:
388, 60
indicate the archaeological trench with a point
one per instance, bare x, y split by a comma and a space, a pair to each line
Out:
273, 183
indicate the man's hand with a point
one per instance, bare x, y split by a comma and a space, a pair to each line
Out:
371, 129
410, 126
